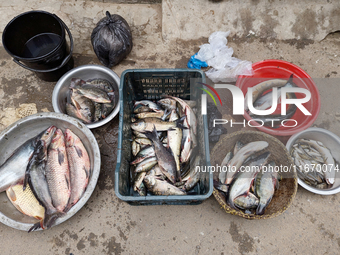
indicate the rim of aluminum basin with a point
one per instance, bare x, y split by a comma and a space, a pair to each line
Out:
22, 130
85, 72
332, 142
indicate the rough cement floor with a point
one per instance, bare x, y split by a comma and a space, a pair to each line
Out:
109, 226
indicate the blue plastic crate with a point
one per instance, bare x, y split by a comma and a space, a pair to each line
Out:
138, 84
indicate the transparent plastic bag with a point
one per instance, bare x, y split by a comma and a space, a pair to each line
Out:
225, 67
111, 39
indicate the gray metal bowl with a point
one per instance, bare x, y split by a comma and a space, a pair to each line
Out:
85, 72
332, 142
19, 132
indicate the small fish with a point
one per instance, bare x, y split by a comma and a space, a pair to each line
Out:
327, 157
165, 157
84, 107
192, 180
97, 112
93, 93
249, 201
145, 153
138, 181
79, 165
135, 148
174, 143
147, 124
25, 201
143, 141
102, 84
57, 172
161, 188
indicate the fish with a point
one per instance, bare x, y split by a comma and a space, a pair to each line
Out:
165, 157
243, 181
262, 87
36, 179
97, 112
161, 188
102, 84
76, 82
237, 147
143, 141
147, 124
174, 143
265, 101
241, 156
143, 115
223, 174
106, 109
79, 166
135, 148
25, 201
93, 93
141, 108
153, 106
84, 107
168, 104
57, 172
186, 146
138, 182
145, 153
12, 171
138, 134
327, 157
191, 119
192, 180
146, 165
249, 201
265, 183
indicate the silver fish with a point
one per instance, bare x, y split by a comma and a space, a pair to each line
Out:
146, 165
241, 156
153, 106
243, 181
13, 169
161, 188
174, 142
249, 201
223, 174
93, 93
145, 153
327, 157
147, 124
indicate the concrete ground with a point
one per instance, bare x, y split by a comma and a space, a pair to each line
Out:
165, 35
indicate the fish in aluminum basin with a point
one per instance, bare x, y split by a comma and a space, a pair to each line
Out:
12, 171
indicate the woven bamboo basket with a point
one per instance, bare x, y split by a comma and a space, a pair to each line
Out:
283, 196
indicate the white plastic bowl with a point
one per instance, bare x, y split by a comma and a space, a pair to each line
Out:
332, 142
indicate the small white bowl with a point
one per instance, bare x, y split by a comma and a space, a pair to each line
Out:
332, 142
85, 72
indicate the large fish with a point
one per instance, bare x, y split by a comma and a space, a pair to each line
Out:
57, 172
265, 184
243, 181
25, 201
262, 87
241, 155
79, 165
174, 143
82, 106
12, 171
36, 179
165, 157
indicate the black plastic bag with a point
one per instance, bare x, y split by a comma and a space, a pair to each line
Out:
111, 39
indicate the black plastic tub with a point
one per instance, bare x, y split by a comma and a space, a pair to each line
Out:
151, 84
